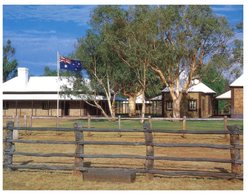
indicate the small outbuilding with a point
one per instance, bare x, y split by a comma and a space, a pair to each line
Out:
224, 101
197, 102
235, 96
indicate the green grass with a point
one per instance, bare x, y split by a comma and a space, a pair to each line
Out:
167, 125
134, 124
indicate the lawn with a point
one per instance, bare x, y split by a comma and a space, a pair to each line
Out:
62, 180
129, 124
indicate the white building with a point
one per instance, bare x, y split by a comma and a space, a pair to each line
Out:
38, 96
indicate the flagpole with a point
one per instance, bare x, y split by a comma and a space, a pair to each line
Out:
58, 87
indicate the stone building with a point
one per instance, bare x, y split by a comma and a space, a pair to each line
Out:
235, 96
198, 102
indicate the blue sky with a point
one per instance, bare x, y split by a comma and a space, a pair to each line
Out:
37, 32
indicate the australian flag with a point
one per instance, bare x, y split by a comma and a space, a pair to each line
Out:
69, 64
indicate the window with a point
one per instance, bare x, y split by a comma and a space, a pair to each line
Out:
169, 105
5, 105
192, 105
45, 105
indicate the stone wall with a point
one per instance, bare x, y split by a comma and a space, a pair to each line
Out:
204, 105
237, 102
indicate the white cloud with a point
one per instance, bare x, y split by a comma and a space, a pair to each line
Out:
226, 8
36, 64
39, 32
39, 40
77, 14
35, 49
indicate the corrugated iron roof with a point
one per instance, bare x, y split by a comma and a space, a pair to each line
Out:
196, 86
226, 95
239, 82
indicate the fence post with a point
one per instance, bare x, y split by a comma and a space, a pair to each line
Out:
10, 146
79, 137
225, 125
16, 132
150, 122
57, 122
119, 124
184, 125
17, 121
89, 121
31, 123
89, 124
234, 132
149, 150
25, 123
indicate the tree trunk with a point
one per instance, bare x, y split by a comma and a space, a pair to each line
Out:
113, 112
143, 110
132, 106
111, 109
176, 107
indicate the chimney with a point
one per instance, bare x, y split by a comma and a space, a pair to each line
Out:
23, 76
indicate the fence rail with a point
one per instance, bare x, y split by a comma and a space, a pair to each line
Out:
216, 146
29, 119
122, 118
149, 157
124, 130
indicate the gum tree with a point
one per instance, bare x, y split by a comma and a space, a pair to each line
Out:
128, 36
185, 37
9, 64
102, 73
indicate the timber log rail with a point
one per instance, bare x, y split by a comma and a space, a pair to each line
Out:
149, 158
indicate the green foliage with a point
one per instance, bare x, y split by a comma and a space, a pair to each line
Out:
237, 54
104, 70
212, 76
188, 36
102, 67
9, 64
229, 61
238, 51
239, 26
185, 38
126, 34
49, 72
130, 49
214, 79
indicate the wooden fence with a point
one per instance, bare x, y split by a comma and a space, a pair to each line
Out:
27, 121
79, 165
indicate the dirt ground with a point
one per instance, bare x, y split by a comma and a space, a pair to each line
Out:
65, 180
47, 180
